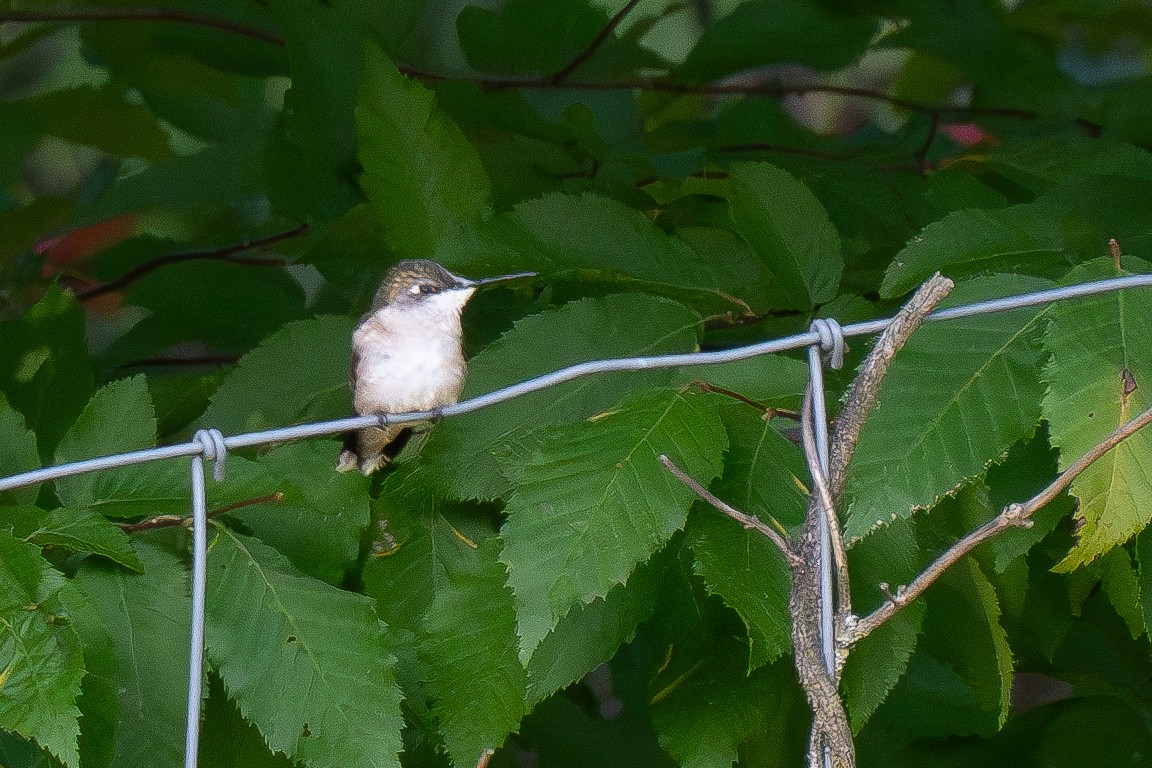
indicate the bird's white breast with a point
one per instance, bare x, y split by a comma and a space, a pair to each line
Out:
410, 358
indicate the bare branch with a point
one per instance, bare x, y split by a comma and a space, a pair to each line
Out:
865, 389
227, 253
748, 521
601, 38
1012, 516
823, 497
65, 15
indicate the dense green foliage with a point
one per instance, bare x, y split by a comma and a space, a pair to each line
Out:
197, 200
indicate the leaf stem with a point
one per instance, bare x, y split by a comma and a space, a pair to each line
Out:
168, 521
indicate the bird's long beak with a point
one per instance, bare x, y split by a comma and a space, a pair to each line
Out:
485, 281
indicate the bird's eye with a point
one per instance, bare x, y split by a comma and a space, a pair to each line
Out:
426, 288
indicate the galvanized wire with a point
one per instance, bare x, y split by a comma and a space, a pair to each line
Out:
211, 445
580, 370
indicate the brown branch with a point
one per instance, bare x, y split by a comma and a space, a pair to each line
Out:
660, 85
601, 38
227, 254
865, 389
1012, 516
785, 150
558, 80
65, 15
748, 521
167, 521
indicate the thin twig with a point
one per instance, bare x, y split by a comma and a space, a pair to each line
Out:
748, 521
922, 153
601, 38
661, 85
828, 508
785, 150
227, 253
141, 14
865, 389
167, 521
1012, 516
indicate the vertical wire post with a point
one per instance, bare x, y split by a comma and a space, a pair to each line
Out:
199, 580
213, 449
831, 341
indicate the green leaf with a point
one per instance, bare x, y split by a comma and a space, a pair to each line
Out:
41, 661
1120, 583
762, 474
420, 174
146, 616
298, 374
44, 366
916, 448
789, 31
769, 379
530, 37
1069, 223
17, 453
1027, 470
962, 629
228, 306
85, 531
401, 574
469, 641
789, 228
227, 740
99, 117
1144, 574
118, 419
589, 237
592, 632
468, 454
593, 502
306, 662
877, 663
1098, 378
1037, 163
317, 522
325, 46
969, 241
705, 716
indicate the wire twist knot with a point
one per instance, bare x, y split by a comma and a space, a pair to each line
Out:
213, 449
831, 340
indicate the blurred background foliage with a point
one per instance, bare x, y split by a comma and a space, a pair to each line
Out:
198, 198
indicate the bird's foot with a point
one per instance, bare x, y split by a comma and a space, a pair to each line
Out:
347, 461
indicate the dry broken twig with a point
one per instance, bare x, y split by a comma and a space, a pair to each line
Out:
748, 521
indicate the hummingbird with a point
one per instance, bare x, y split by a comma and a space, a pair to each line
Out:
407, 355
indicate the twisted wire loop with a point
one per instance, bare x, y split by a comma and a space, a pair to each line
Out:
213, 449
831, 340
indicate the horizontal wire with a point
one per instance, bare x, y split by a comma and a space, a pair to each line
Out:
580, 370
